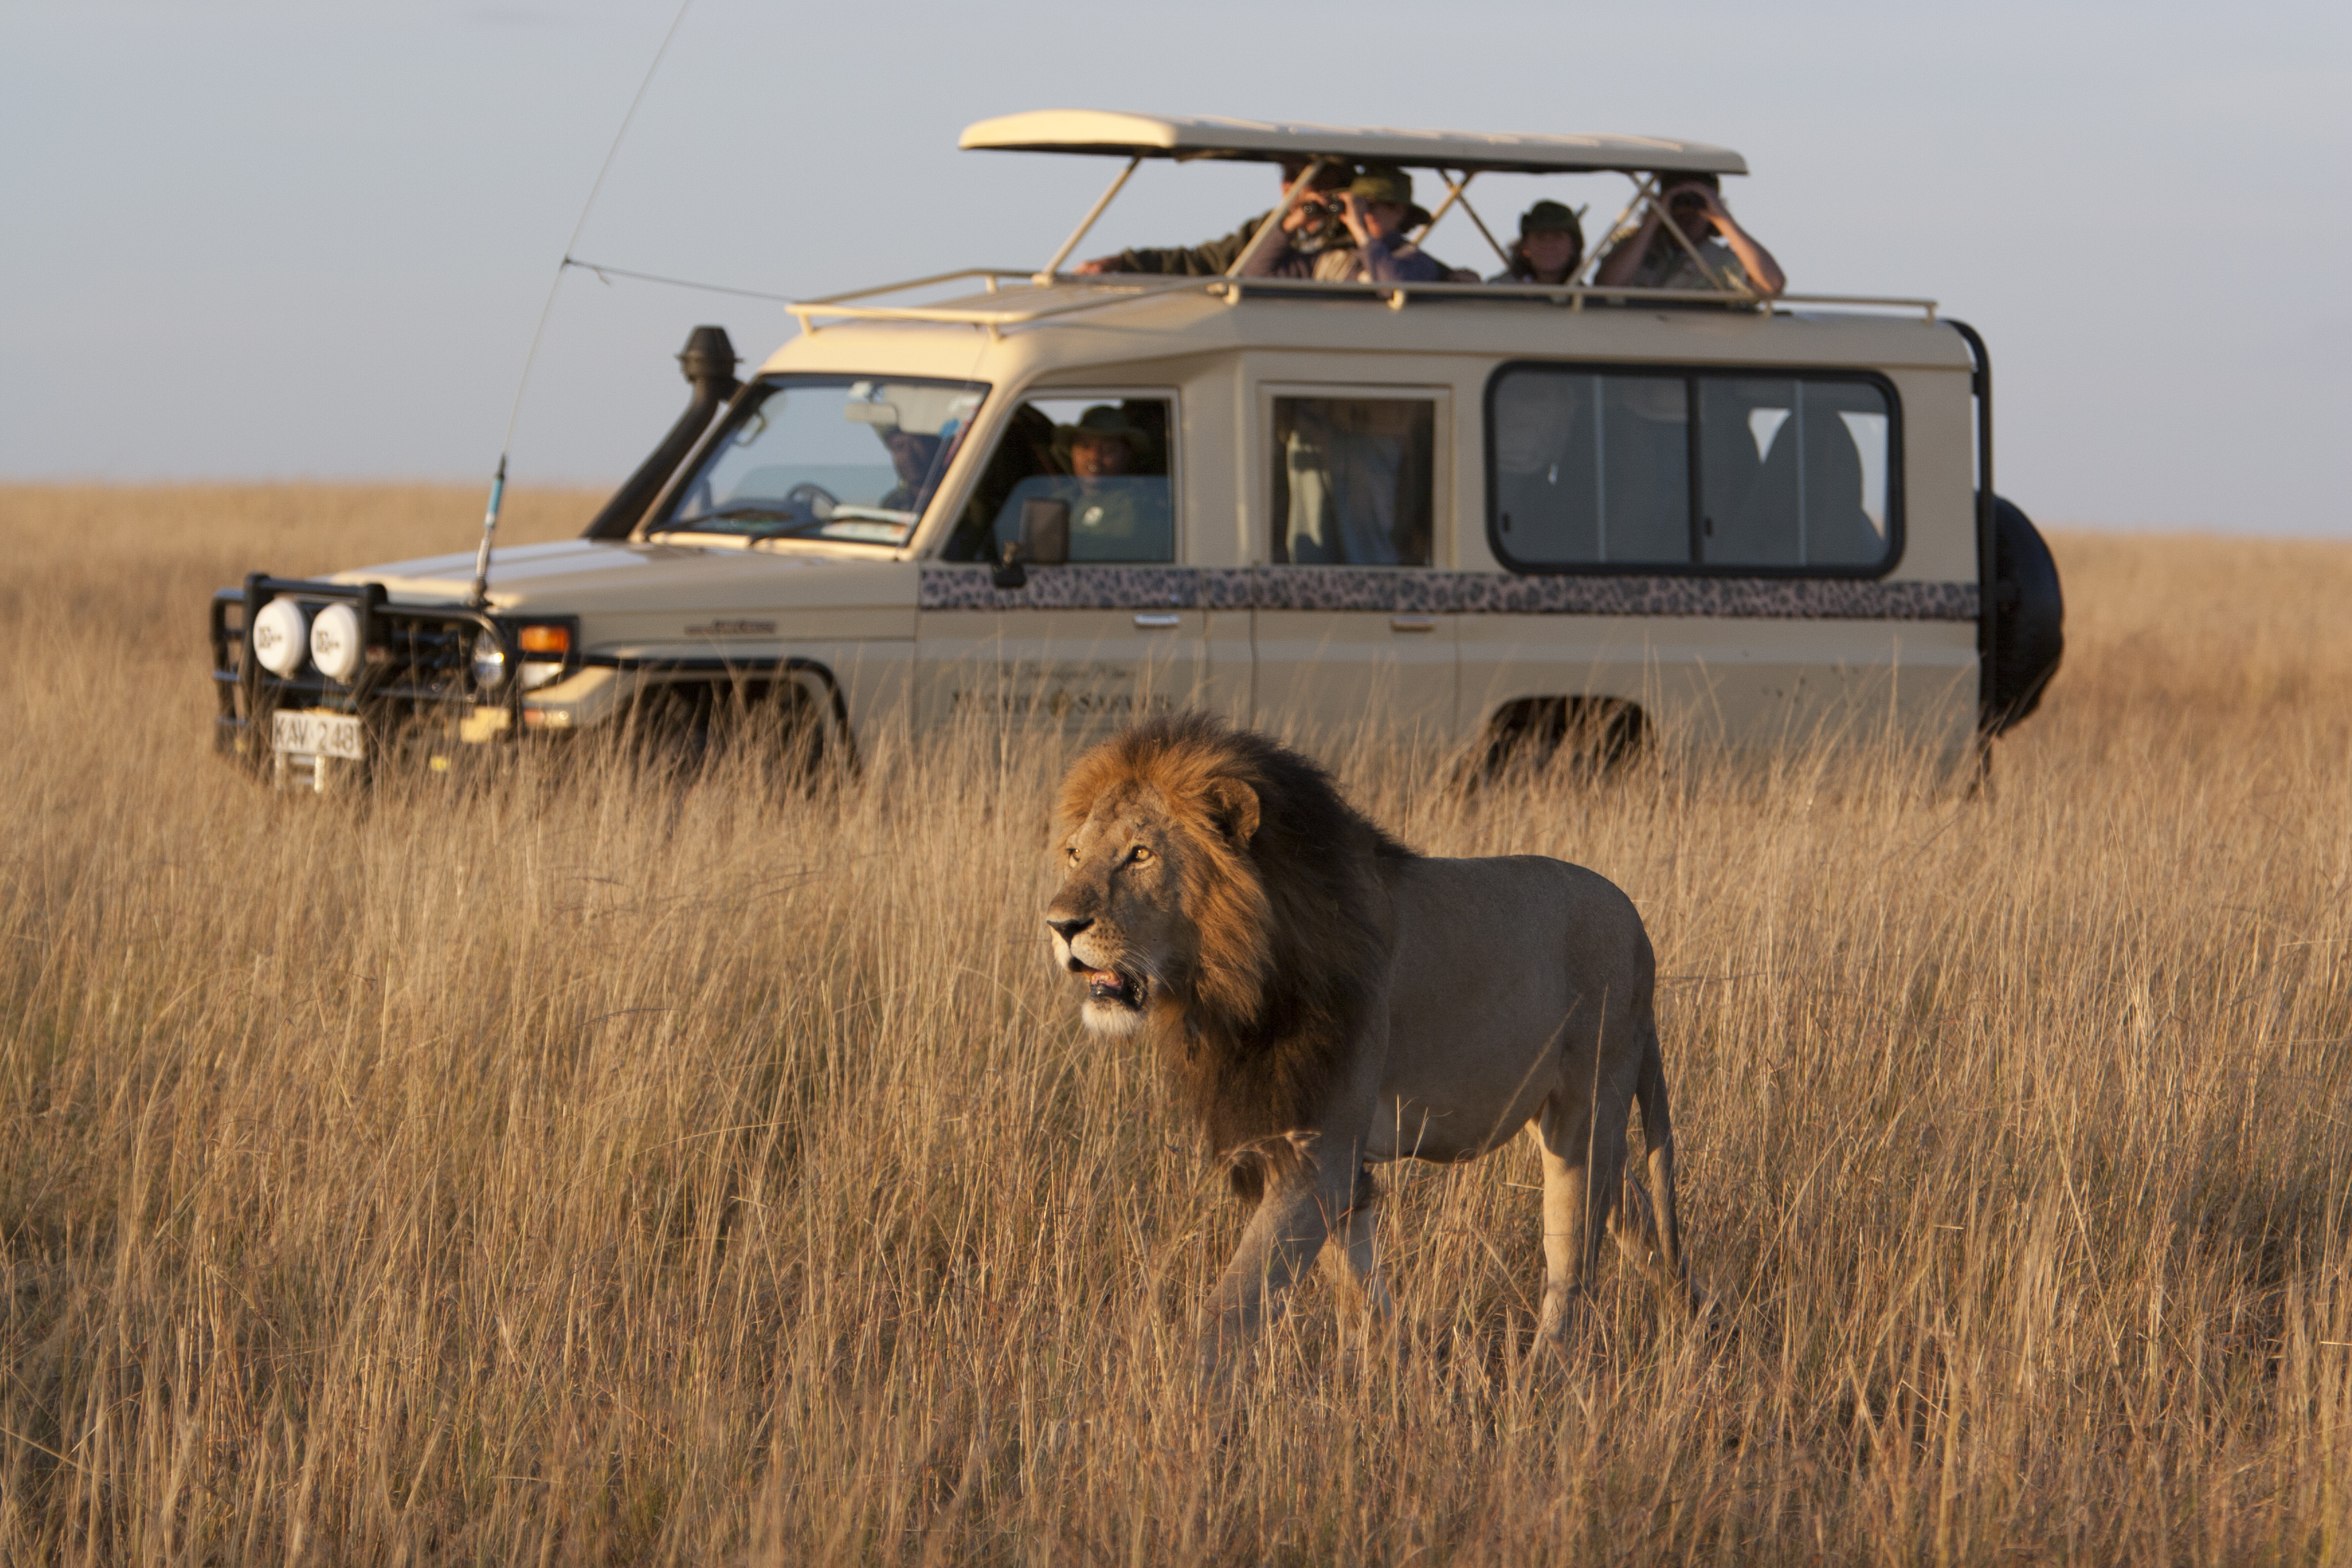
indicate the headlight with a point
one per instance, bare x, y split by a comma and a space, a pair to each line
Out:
335, 641
280, 636
489, 661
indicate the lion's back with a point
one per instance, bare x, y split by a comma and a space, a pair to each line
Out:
1490, 959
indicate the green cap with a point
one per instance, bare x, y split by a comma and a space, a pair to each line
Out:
1387, 183
1382, 183
1550, 217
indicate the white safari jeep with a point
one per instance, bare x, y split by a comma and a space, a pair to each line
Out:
1505, 513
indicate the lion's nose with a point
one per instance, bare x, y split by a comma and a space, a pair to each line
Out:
1068, 930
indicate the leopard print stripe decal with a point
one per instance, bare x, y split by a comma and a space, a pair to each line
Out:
1391, 590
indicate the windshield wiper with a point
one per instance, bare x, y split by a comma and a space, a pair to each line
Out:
845, 512
779, 520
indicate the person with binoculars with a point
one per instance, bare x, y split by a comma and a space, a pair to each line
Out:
1651, 258
1308, 227
1377, 209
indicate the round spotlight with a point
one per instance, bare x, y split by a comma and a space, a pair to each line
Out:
489, 661
335, 642
280, 636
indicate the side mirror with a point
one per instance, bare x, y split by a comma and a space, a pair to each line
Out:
1010, 573
1046, 532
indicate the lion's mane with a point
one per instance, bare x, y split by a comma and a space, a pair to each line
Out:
1288, 947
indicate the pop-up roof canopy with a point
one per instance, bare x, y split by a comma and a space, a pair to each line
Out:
1255, 140
1457, 157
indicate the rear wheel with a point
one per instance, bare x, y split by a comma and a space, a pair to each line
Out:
1579, 738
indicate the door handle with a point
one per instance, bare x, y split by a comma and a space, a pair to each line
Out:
1413, 623
1159, 618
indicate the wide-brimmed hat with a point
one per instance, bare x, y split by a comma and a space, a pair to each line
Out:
1551, 218
1104, 422
1386, 183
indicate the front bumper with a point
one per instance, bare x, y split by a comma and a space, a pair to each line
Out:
414, 692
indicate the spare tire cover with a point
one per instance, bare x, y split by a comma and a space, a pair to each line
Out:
2029, 619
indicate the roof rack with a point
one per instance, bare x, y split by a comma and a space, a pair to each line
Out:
1036, 300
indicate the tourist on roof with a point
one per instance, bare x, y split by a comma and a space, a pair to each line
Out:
1549, 248
1378, 208
1309, 227
1650, 258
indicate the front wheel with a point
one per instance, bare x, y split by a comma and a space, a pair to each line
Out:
783, 728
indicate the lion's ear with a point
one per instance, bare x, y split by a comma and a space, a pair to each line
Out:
1234, 805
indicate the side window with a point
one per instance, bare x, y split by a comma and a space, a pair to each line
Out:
1352, 481
1592, 469
1597, 469
1795, 473
1107, 457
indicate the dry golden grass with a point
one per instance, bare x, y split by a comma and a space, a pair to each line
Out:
570, 1171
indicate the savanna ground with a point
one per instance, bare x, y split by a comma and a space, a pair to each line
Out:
579, 1171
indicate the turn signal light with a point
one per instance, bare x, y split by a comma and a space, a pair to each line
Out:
545, 640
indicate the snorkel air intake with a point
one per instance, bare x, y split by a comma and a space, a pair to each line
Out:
708, 364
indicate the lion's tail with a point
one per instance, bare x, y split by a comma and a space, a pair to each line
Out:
1658, 1151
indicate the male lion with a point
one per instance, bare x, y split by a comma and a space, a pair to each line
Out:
1324, 999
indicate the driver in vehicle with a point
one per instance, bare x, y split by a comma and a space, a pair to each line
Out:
1309, 227
1651, 258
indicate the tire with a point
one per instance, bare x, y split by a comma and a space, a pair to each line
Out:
2029, 620
1584, 738
784, 726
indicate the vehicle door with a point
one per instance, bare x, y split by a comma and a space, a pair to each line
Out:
1110, 631
1353, 633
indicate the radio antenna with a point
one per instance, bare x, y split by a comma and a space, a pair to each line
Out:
481, 594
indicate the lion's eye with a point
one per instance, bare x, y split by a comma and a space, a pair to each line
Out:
1138, 856
1073, 852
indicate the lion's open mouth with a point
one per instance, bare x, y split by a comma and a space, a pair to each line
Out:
1111, 986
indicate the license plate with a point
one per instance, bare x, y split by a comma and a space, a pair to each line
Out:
316, 735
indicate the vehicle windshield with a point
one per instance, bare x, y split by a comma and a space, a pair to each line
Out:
829, 457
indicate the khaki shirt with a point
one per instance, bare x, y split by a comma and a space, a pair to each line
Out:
1668, 266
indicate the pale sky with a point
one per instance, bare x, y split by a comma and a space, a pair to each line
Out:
292, 241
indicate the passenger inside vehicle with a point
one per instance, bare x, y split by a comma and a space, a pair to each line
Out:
1549, 248
1353, 480
1106, 461
1595, 470
1651, 258
914, 460
800, 458
1309, 227
1794, 471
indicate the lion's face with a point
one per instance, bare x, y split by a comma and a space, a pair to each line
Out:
1118, 920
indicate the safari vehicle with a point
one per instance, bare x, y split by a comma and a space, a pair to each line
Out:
1477, 514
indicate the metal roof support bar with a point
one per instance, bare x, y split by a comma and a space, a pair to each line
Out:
1453, 194
1046, 275
1461, 193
